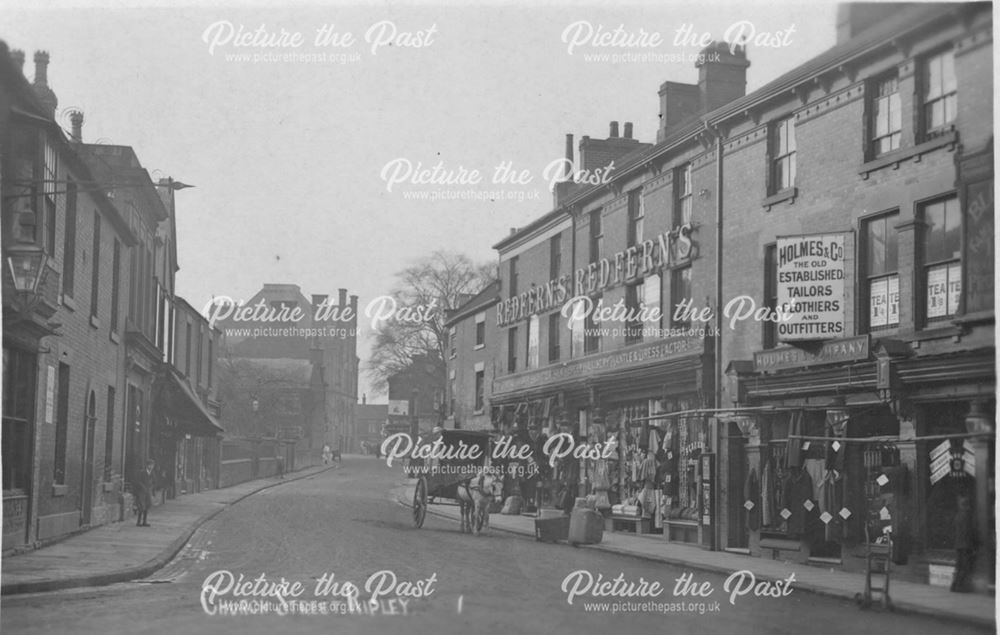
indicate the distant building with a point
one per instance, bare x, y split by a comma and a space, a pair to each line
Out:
368, 422
417, 392
299, 367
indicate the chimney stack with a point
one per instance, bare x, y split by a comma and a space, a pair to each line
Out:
628, 129
569, 157
722, 76
613, 134
342, 297
76, 119
364, 398
17, 56
41, 83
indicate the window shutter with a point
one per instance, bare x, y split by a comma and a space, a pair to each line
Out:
768, 154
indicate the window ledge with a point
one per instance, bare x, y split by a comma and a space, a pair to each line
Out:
934, 332
114, 337
787, 194
95, 321
59, 490
896, 157
479, 346
479, 412
68, 302
109, 487
974, 318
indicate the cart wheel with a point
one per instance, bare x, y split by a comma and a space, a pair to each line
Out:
420, 502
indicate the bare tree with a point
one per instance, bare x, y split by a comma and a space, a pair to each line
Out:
434, 285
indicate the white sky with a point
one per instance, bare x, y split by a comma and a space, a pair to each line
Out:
287, 156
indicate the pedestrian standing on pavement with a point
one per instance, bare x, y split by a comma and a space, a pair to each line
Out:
965, 546
144, 493
327, 454
280, 466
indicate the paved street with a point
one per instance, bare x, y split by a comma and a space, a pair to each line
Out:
344, 522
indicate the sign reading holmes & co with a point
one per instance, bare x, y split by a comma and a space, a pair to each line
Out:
832, 352
811, 287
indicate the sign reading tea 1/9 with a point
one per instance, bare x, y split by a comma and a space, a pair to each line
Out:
810, 287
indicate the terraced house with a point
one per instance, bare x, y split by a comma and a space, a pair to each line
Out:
819, 370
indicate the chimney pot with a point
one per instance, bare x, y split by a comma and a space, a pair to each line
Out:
76, 119
17, 56
41, 68
628, 129
614, 129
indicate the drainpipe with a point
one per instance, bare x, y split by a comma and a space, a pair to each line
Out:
717, 511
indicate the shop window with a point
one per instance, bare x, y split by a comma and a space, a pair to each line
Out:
886, 115
942, 258
512, 349
109, 436
554, 337
683, 198
880, 243
636, 214
782, 152
680, 290
62, 426
532, 342
555, 256
596, 236
18, 417
939, 91
480, 390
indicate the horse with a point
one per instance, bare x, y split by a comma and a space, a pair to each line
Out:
474, 497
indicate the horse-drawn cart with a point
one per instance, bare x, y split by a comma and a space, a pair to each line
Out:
457, 476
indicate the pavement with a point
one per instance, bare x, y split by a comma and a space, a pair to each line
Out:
119, 552
907, 597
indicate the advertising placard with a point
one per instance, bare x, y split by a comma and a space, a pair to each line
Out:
810, 287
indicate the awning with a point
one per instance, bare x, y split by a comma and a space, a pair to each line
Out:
188, 412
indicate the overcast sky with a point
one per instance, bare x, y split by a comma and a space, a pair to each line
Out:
289, 157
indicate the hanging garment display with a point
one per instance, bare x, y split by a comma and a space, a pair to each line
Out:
751, 499
816, 469
793, 458
798, 488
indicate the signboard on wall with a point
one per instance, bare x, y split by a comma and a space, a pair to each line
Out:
810, 287
980, 260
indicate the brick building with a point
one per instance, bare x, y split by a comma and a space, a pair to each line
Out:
416, 394
64, 362
472, 360
848, 204
369, 419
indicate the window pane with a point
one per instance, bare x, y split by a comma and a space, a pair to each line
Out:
934, 240
954, 287
895, 113
948, 82
878, 303
937, 291
893, 300
876, 247
791, 135
933, 78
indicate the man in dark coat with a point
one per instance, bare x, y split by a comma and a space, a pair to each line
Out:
144, 493
965, 546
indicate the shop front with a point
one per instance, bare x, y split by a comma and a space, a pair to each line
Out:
857, 442
644, 473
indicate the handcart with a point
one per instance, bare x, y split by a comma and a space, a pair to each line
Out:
878, 565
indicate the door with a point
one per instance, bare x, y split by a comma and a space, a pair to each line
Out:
87, 479
737, 535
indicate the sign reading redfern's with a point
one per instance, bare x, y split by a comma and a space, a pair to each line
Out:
810, 287
669, 249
